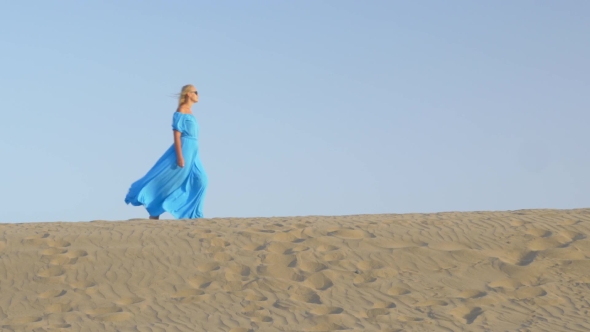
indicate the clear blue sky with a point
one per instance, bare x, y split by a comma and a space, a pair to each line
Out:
306, 107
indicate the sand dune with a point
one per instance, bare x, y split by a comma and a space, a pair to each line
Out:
523, 270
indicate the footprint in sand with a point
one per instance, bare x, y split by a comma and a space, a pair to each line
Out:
256, 297
530, 292
52, 251
471, 294
207, 267
542, 301
250, 309
261, 319
62, 260
280, 260
241, 329
52, 293
538, 232
327, 326
115, 317
384, 273
282, 305
508, 284
36, 240
303, 294
38, 236
58, 308
384, 304
280, 248
260, 230
198, 233
333, 256
321, 311
193, 298
222, 257
129, 300
232, 286
386, 243
66, 258
363, 279
19, 321
238, 269
254, 247
213, 250
84, 284
190, 292
310, 266
296, 249
219, 242
351, 234
318, 281
369, 265
346, 265
396, 290
199, 282
431, 303
76, 253
58, 243
209, 236
234, 277
58, 327
405, 318
287, 237
280, 272
545, 243
52, 273
568, 222
517, 223
373, 313
571, 253
447, 246
103, 310
326, 247
466, 315
572, 235
517, 257
109, 314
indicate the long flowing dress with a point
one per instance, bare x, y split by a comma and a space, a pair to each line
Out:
170, 188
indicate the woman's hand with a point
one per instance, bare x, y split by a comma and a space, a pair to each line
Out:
178, 149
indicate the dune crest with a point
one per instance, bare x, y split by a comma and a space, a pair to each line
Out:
512, 270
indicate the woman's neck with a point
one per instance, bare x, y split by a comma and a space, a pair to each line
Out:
185, 107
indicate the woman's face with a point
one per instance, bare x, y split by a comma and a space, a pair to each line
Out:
193, 95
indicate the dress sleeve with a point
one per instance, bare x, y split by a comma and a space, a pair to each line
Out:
177, 122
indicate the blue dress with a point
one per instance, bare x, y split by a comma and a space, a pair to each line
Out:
168, 187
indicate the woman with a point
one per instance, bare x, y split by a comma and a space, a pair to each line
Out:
177, 182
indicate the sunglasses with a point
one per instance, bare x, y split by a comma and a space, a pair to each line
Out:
196, 92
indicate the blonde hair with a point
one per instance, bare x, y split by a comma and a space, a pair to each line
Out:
183, 93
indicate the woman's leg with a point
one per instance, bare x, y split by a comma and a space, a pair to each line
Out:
155, 211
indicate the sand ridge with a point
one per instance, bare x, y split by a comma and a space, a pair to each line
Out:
526, 270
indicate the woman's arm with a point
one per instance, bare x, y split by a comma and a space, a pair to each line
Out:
178, 149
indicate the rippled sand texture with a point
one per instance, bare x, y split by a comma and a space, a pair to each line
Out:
518, 271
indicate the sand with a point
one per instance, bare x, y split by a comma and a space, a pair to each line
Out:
525, 270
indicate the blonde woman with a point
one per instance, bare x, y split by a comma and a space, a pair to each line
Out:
177, 182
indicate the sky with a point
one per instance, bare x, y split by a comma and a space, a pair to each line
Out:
332, 107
